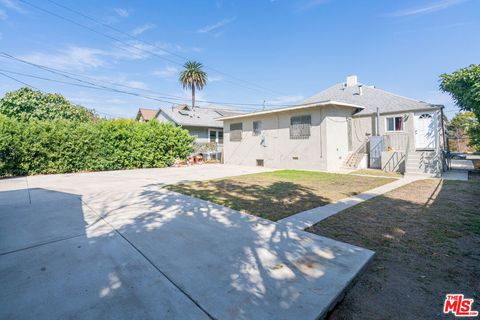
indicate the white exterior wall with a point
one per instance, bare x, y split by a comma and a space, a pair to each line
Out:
363, 125
282, 152
337, 137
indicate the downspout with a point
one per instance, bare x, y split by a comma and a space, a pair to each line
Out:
445, 142
444, 138
377, 123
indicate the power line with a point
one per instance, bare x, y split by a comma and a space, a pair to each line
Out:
128, 44
97, 86
92, 87
30, 86
19, 81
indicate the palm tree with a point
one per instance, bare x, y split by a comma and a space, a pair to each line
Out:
193, 77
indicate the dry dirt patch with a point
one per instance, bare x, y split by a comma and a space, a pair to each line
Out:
427, 241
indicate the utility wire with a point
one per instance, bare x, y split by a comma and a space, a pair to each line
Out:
123, 42
97, 86
3, 71
19, 81
33, 87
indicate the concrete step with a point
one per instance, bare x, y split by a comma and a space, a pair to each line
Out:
416, 174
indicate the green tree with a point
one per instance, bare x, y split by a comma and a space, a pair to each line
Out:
462, 123
25, 104
463, 86
193, 77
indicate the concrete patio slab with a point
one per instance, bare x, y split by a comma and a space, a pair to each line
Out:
308, 218
110, 246
236, 265
125, 180
52, 216
88, 278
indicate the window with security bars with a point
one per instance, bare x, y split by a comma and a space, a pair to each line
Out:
300, 127
236, 131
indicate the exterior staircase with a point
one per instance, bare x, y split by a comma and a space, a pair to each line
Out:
353, 159
422, 163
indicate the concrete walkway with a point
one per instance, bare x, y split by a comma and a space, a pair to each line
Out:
308, 218
458, 175
115, 245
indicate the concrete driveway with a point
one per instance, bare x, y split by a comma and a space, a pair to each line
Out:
115, 245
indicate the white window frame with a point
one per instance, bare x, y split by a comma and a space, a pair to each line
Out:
216, 134
390, 117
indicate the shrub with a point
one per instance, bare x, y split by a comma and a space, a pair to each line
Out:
61, 146
27, 104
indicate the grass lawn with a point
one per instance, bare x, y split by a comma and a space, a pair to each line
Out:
278, 194
426, 236
378, 172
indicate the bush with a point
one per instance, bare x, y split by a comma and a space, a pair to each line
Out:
27, 104
61, 146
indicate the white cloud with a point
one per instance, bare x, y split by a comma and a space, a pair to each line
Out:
77, 58
116, 101
432, 7
167, 72
122, 12
283, 100
139, 30
136, 84
13, 5
215, 26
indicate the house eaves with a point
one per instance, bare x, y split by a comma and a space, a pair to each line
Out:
293, 108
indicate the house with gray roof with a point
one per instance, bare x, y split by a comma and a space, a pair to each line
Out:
349, 125
201, 122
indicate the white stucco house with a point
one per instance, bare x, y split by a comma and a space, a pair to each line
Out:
347, 125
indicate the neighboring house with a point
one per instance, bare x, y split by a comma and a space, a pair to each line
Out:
145, 115
202, 122
347, 125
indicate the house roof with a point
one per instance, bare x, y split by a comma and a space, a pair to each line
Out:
292, 108
147, 114
207, 116
370, 98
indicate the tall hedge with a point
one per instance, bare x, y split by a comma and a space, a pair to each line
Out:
61, 146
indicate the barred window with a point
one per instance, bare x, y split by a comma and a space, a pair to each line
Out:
236, 131
300, 127
257, 128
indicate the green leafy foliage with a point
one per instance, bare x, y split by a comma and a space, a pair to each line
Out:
462, 123
60, 146
464, 87
25, 104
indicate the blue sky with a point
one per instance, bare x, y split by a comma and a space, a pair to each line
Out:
275, 50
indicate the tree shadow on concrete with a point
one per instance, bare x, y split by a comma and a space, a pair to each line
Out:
235, 265
273, 201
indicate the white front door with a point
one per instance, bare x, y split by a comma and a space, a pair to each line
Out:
425, 130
